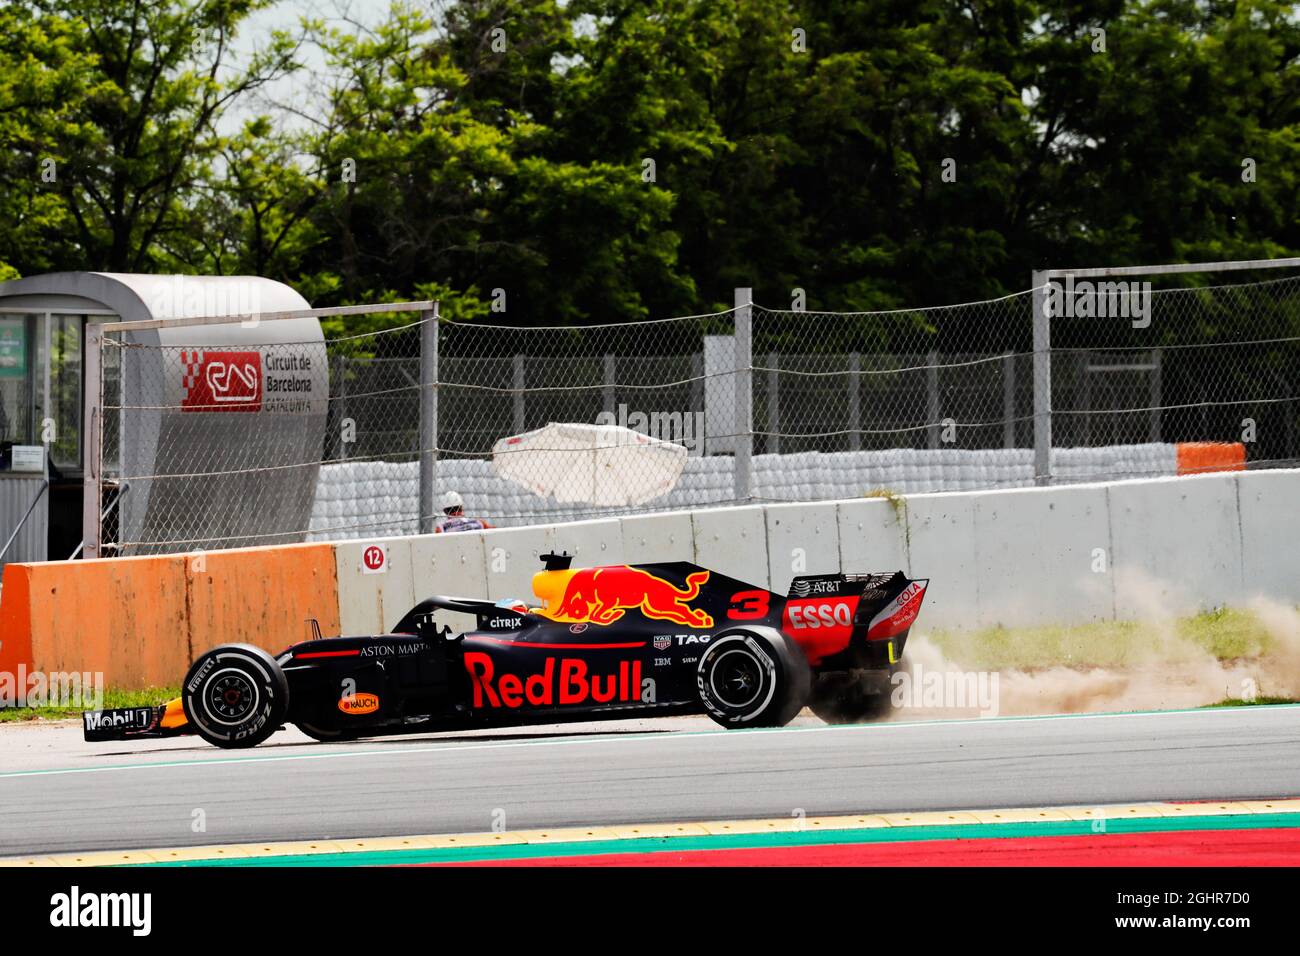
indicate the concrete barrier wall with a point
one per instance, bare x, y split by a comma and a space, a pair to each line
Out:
1023, 557
1019, 557
1269, 505
350, 494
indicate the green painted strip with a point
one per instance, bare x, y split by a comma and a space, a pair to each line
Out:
524, 851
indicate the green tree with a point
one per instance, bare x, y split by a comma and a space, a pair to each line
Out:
430, 187
140, 138
44, 75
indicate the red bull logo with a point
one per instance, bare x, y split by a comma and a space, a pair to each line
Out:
604, 595
568, 682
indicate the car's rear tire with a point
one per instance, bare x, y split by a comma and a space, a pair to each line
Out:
757, 678
235, 695
849, 698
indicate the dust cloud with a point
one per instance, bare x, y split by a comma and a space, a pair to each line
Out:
1159, 669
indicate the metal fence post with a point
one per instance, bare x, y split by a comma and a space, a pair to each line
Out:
517, 398
744, 428
609, 376
428, 419
1009, 400
773, 444
93, 450
855, 401
1042, 381
342, 378
1083, 375
1157, 357
697, 389
932, 409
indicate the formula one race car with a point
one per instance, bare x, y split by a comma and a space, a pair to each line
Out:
608, 642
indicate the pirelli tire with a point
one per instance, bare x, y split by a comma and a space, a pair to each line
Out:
755, 677
235, 696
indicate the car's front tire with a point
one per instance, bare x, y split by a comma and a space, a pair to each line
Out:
757, 678
235, 695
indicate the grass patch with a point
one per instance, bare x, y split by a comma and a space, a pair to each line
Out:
1234, 702
899, 505
150, 697
896, 501
1227, 634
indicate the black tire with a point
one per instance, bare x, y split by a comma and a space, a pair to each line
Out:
757, 678
852, 698
235, 695
324, 736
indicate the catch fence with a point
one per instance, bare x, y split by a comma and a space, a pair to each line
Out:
205, 442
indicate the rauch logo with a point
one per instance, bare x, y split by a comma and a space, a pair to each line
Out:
359, 704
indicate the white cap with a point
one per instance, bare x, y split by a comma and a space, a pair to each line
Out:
452, 499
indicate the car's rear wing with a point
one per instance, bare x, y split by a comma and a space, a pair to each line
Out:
889, 605
880, 607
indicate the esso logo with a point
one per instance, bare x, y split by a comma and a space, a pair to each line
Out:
814, 616
374, 560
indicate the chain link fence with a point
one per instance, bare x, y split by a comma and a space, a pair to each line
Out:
210, 445
1220, 362
954, 377
213, 442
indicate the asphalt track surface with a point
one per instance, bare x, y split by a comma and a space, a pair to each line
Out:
58, 794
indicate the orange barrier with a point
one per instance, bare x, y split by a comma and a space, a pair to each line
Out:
141, 621
1198, 457
15, 618
264, 594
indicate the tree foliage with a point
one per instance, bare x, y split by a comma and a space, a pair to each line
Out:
609, 160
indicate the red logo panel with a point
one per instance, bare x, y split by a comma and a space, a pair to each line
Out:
899, 614
821, 625
221, 381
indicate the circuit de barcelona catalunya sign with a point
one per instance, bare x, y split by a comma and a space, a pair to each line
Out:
231, 419
223, 381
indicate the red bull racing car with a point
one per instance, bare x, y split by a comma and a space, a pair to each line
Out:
607, 642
